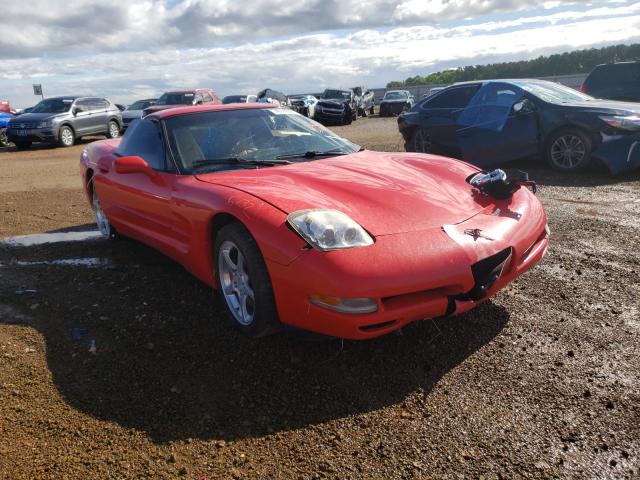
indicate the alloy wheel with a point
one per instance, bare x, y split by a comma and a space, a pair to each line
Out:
101, 219
568, 151
235, 283
114, 130
66, 135
4, 141
422, 141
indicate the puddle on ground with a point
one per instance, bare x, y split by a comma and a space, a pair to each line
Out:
72, 262
44, 238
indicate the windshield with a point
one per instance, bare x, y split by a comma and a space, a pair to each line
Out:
214, 141
53, 105
336, 94
554, 92
176, 99
234, 99
140, 105
395, 96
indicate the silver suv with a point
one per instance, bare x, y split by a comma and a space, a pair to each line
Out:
63, 120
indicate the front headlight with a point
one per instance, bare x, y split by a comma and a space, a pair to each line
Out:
46, 124
326, 229
628, 122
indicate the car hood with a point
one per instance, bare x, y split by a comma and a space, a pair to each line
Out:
335, 101
386, 193
132, 114
607, 106
36, 117
395, 100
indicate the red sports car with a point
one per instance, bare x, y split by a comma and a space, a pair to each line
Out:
294, 225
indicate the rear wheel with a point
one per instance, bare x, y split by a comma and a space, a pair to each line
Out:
114, 130
420, 142
568, 150
67, 137
244, 285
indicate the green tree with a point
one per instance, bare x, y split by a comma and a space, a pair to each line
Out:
579, 61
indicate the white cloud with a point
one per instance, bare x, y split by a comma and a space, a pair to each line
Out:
133, 62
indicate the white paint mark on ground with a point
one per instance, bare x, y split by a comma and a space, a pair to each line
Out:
44, 238
72, 262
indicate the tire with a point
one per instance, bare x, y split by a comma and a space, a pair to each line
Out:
66, 137
419, 142
22, 145
113, 129
372, 110
4, 141
568, 150
104, 227
348, 118
244, 285
354, 114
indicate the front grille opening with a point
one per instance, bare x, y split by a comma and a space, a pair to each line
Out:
486, 272
377, 326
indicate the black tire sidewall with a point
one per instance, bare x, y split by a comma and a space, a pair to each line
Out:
265, 320
569, 131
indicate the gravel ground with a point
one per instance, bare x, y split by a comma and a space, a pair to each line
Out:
542, 381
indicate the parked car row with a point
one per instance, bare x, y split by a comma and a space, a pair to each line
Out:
490, 122
63, 120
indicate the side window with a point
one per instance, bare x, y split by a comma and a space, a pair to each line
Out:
143, 139
198, 99
83, 105
454, 98
98, 104
206, 98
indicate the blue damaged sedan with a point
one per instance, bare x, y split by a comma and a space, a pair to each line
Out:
496, 121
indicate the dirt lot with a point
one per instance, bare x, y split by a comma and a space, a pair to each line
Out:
542, 381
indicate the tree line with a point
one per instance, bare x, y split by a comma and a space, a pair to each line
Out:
578, 61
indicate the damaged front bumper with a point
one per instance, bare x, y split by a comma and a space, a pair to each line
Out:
619, 152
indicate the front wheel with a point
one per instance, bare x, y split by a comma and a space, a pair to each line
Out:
114, 130
420, 142
4, 141
568, 150
244, 285
105, 228
67, 137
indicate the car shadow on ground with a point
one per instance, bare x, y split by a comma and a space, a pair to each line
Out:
167, 363
596, 174
48, 146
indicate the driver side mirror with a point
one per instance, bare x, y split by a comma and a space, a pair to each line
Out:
134, 164
522, 106
75, 111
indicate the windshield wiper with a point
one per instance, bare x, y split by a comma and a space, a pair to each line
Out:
236, 161
313, 154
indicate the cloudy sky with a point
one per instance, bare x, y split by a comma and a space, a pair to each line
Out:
140, 48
